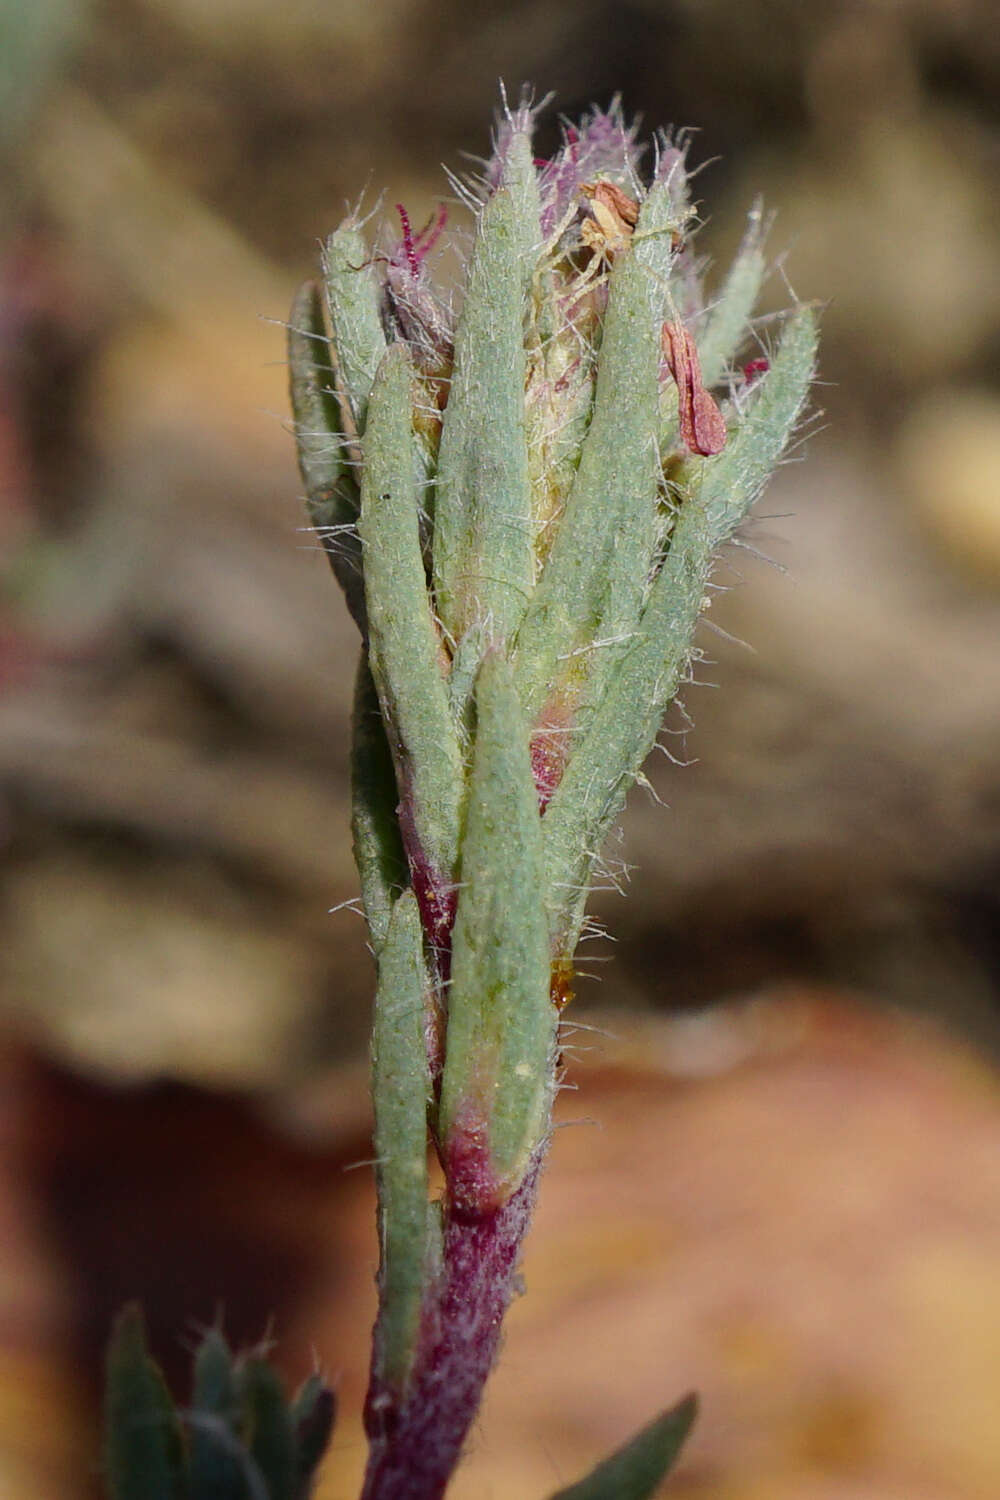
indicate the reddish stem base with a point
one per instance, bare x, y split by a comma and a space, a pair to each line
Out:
415, 1444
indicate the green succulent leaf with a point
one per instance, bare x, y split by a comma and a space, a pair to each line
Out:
314, 402
401, 1089
501, 1024
331, 490
314, 1412
590, 592
267, 1430
405, 651
214, 1386
726, 326
143, 1448
483, 534
352, 300
218, 1467
636, 1470
621, 731
378, 847
724, 487
521, 181
653, 245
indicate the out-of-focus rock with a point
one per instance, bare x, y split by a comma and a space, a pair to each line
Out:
790, 1205
947, 466
133, 975
890, 221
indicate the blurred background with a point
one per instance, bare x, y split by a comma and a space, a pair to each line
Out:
784, 1184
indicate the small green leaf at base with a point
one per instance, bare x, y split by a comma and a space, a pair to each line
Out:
143, 1450
216, 1460
239, 1439
267, 1427
314, 1412
635, 1470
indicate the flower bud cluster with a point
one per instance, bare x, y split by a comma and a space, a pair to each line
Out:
523, 501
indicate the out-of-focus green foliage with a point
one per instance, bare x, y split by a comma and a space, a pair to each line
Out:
239, 1439
636, 1469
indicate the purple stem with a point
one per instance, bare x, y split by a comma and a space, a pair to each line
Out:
416, 1442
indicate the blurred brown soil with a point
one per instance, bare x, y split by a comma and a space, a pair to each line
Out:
792, 1204
809, 1231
